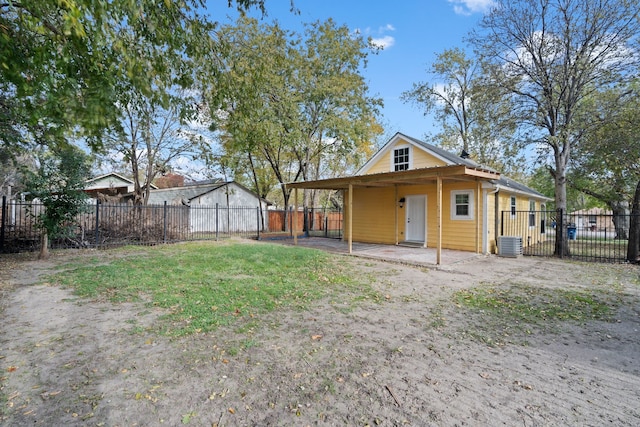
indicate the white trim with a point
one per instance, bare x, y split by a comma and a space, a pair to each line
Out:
521, 192
391, 143
410, 199
485, 222
392, 155
468, 217
513, 208
531, 213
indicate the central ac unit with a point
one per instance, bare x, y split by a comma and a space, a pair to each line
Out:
509, 246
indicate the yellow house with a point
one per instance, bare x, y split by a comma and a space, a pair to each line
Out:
411, 192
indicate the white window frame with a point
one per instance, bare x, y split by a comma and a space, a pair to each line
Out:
454, 215
513, 206
532, 213
393, 156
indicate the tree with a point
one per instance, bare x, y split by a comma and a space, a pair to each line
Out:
474, 115
294, 101
61, 61
58, 184
337, 114
152, 138
607, 162
551, 55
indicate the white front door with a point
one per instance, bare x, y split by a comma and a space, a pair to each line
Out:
416, 216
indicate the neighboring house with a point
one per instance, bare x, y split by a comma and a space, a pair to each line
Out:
111, 188
240, 205
411, 192
594, 219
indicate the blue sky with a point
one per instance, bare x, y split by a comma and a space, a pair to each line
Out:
412, 31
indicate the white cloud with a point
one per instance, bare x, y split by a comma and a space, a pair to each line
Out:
380, 39
384, 42
468, 7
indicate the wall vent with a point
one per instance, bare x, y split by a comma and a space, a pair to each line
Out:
509, 246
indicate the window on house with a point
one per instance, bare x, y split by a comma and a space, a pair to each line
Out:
462, 204
532, 213
513, 206
401, 159
592, 219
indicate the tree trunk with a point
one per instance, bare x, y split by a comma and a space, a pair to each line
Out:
620, 209
560, 178
633, 249
285, 196
44, 245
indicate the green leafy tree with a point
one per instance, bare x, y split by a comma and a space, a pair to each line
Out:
607, 162
294, 102
62, 62
551, 55
474, 115
58, 184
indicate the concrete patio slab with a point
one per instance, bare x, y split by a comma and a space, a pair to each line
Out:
402, 254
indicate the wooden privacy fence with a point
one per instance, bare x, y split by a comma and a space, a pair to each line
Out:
106, 225
321, 222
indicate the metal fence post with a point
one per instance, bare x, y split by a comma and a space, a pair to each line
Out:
216, 222
164, 222
97, 231
560, 231
258, 221
4, 221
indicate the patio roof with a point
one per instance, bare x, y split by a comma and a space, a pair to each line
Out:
436, 175
408, 177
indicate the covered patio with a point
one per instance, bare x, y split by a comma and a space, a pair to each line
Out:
433, 175
412, 255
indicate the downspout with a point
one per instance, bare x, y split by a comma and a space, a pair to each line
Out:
496, 214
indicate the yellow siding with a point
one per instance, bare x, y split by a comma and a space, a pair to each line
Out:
491, 223
519, 225
461, 234
422, 159
419, 159
383, 164
375, 210
374, 213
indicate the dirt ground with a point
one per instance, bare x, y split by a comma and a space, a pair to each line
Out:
413, 358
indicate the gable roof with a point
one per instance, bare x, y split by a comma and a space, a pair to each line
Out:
445, 156
192, 191
504, 183
108, 175
451, 159
115, 176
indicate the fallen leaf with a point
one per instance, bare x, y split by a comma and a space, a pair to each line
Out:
316, 337
12, 368
232, 411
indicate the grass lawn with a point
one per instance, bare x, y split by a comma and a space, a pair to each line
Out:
205, 285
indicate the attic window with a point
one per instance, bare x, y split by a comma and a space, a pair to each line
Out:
401, 159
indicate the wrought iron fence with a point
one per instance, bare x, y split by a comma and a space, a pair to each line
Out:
580, 236
103, 225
